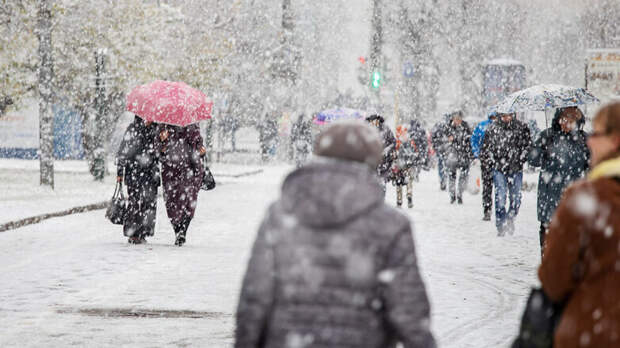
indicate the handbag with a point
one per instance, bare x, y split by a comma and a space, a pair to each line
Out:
208, 181
541, 315
540, 318
117, 207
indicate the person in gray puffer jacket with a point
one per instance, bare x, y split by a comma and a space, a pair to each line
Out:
333, 265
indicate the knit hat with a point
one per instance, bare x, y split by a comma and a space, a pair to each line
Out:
351, 140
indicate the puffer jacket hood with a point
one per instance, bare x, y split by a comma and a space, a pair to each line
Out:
555, 124
330, 192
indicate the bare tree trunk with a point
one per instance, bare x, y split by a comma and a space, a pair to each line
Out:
46, 76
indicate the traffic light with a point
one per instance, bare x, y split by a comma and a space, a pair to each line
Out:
375, 79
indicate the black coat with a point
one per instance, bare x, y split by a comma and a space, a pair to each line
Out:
563, 158
439, 137
389, 151
458, 150
137, 158
417, 135
505, 146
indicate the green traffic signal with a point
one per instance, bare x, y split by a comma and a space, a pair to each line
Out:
375, 79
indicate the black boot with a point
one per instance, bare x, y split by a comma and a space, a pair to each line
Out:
179, 234
487, 215
181, 231
409, 201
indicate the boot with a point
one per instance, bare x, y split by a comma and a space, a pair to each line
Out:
459, 200
452, 199
487, 215
409, 202
179, 234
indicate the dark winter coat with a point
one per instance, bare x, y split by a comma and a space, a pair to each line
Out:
563, 158
301, 136
333, 266
587, 219
417, 135
389, 151
137, 159
505, 146
458, 153
439, 137
182, 170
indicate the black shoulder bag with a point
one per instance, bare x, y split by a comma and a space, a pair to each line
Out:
208, 181
117, 207
541, 315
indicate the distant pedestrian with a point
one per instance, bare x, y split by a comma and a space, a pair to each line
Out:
439, 140
419, 139
389, 147
458, 155
182, 150
562, 153
301, 140
486, 169
137, 164
403, 166
332, 264
268, 137
580, 262
506, 144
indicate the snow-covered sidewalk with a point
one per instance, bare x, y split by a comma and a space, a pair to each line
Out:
74, 281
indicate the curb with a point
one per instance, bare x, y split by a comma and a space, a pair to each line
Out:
11, 225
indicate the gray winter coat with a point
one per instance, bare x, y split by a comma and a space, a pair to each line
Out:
333, 266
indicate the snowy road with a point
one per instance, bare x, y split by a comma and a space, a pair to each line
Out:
74, 281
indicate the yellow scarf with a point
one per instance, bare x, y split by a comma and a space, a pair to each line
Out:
609, 168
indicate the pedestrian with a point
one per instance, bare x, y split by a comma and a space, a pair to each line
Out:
506, 144
439, 140
389, 147
458, 157
137, 163
562, 153
486, 171
419, 140
580, 263
182, 152
301, 140
333, 265
268, 137
403, 166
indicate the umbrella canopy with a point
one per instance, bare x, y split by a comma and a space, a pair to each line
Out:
544, 97
169, 102
331, 115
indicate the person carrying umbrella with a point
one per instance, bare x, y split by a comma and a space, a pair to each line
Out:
137, 164
182, 172
177, 108
562, 153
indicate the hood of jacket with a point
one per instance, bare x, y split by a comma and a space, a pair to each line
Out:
330, 192
555, 123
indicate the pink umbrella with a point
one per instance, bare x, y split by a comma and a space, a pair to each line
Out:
169, 102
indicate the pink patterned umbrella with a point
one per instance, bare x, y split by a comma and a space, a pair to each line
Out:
169, 102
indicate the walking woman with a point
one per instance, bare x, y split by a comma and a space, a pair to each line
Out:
581, 259
138, 165
181, 151
563, 156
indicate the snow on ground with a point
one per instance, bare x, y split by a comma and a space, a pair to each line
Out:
73, 281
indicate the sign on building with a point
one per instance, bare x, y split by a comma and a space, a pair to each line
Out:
603, 73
